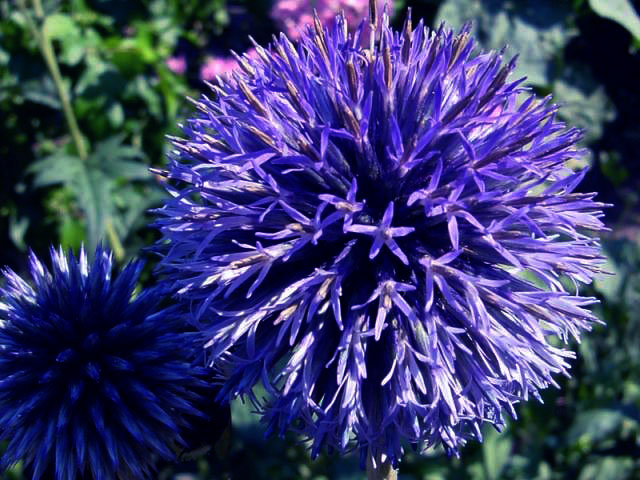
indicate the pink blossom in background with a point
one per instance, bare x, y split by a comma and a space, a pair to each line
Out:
214, 66
292, 15
177, 64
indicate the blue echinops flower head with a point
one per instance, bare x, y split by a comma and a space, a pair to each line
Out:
384, 237
95, 381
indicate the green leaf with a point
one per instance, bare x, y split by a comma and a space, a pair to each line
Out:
92, 80
102, 188
55, 169
536, 30
129, 58
115, 113
117, 160
16, 472
62, 28
592, 426
242, 415
614, 468
43, 98
610, 286
59, 26
544, 472
143, 89
42, 91
73, 52
128, 170
613, 167
91, 189
98, 190
623, 259
621, 12
585, 103
18, 18
135, 204
71, 232
4, 55
17, 230
475, 470
173, 90
496, 451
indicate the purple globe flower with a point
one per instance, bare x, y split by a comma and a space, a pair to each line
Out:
385, 239
94, 382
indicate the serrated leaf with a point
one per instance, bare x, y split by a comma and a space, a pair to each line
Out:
621, 12
101, 186
118, 160
138, 203
54, 169
91, 188
94, 193
113, 146
129, 170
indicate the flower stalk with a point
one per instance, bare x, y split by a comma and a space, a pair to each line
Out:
383, 470
46, 49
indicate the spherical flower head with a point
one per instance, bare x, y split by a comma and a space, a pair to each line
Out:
96, 380
384, 238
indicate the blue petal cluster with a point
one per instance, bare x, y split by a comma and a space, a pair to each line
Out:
385, 237
95, 381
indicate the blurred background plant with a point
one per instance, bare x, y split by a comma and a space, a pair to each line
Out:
89, 89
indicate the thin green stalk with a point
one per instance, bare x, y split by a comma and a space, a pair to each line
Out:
46, 49
116, 244
37, 8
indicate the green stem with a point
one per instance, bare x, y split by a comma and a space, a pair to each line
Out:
46, 48
382, 471
37, 8
116, 244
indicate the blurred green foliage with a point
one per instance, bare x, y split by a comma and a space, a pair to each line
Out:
112, 57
